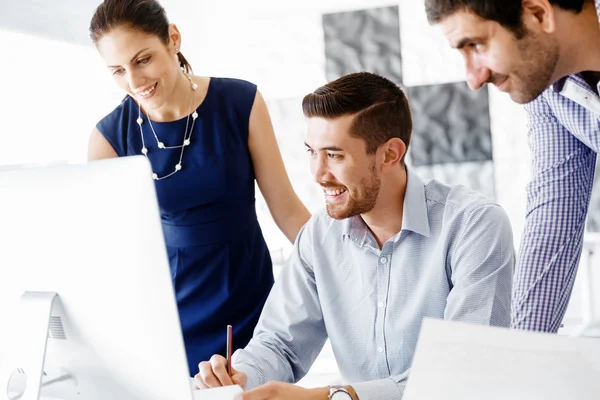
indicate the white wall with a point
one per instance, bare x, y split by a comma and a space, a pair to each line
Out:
53, 93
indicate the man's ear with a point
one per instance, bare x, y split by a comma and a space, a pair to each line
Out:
392, 152
540, 14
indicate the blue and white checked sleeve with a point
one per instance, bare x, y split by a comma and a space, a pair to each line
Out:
557, 202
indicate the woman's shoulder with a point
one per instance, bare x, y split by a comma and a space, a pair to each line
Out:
114, 126
227, 85
233, 95
116, 117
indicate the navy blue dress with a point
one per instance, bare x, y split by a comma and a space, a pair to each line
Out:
220, 264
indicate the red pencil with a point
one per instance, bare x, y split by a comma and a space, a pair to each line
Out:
229, 347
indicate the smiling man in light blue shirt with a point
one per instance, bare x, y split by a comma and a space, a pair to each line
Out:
387, 251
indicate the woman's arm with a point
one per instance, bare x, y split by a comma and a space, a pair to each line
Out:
287, 210
99, 148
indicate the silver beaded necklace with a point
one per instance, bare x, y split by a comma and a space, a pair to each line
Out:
161, 146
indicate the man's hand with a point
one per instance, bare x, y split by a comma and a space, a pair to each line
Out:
213, 373
284, 391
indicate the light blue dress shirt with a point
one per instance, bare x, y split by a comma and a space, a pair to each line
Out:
452, 259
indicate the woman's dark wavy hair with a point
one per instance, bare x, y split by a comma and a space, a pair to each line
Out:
147, 16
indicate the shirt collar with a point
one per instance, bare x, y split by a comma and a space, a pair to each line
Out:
415, 216
559, 84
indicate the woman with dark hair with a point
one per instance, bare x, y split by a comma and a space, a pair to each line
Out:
208, 140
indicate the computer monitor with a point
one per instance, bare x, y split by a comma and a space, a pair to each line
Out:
85, 286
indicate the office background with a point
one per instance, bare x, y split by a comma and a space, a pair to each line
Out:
56, 87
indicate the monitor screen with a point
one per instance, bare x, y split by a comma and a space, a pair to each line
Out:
87, 240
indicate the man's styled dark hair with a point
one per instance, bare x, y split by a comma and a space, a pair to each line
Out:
380, 107
505, 12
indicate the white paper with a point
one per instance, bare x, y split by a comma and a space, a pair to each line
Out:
455, 360
221, 393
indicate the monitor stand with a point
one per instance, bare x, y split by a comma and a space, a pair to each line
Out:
26, 348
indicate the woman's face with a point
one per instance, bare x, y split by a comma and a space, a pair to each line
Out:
141, 64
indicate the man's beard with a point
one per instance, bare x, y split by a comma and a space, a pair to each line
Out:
361, 203
534, 73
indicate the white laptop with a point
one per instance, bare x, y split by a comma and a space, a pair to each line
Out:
459, 361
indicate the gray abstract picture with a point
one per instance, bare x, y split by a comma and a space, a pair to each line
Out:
451, 124
478, 176
364, 40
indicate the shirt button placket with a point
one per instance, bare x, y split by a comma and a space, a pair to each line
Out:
382, 283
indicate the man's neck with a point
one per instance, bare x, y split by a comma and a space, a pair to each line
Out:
385, 220
580, 41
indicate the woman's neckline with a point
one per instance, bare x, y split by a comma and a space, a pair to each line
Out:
197, 109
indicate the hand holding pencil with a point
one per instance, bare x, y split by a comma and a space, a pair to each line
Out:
218, 371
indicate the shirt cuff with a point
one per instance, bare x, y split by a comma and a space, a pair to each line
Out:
255, 377
382, 389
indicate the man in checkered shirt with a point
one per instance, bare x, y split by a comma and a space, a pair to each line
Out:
544, 54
